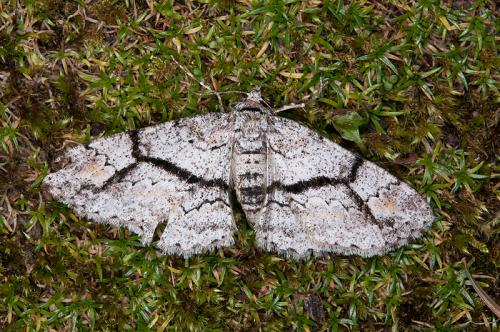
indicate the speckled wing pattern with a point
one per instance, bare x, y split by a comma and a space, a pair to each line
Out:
323, 198
303, 194
177, 171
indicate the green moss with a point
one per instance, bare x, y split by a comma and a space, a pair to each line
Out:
109, 11
412, 86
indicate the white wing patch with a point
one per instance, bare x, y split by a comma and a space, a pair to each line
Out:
349, 206
299, 156
317, 220
210, 216
136, 180
200, 144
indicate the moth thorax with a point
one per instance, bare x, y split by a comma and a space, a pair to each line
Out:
251, 125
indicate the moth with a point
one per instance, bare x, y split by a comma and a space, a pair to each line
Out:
303, 194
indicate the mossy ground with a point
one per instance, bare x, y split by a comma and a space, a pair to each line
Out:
411, 85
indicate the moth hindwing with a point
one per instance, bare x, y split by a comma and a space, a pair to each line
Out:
302, 193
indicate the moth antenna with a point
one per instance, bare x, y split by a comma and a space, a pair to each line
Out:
289, 107
233, 92
200, 82
314, 95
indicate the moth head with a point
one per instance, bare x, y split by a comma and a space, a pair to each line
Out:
253, 102
255, 95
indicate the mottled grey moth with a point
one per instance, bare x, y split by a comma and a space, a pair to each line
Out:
302, 193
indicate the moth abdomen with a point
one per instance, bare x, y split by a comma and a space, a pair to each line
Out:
249, 178
253, 195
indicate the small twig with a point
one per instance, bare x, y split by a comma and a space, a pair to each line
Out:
320, 90
495, 308
316, 94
